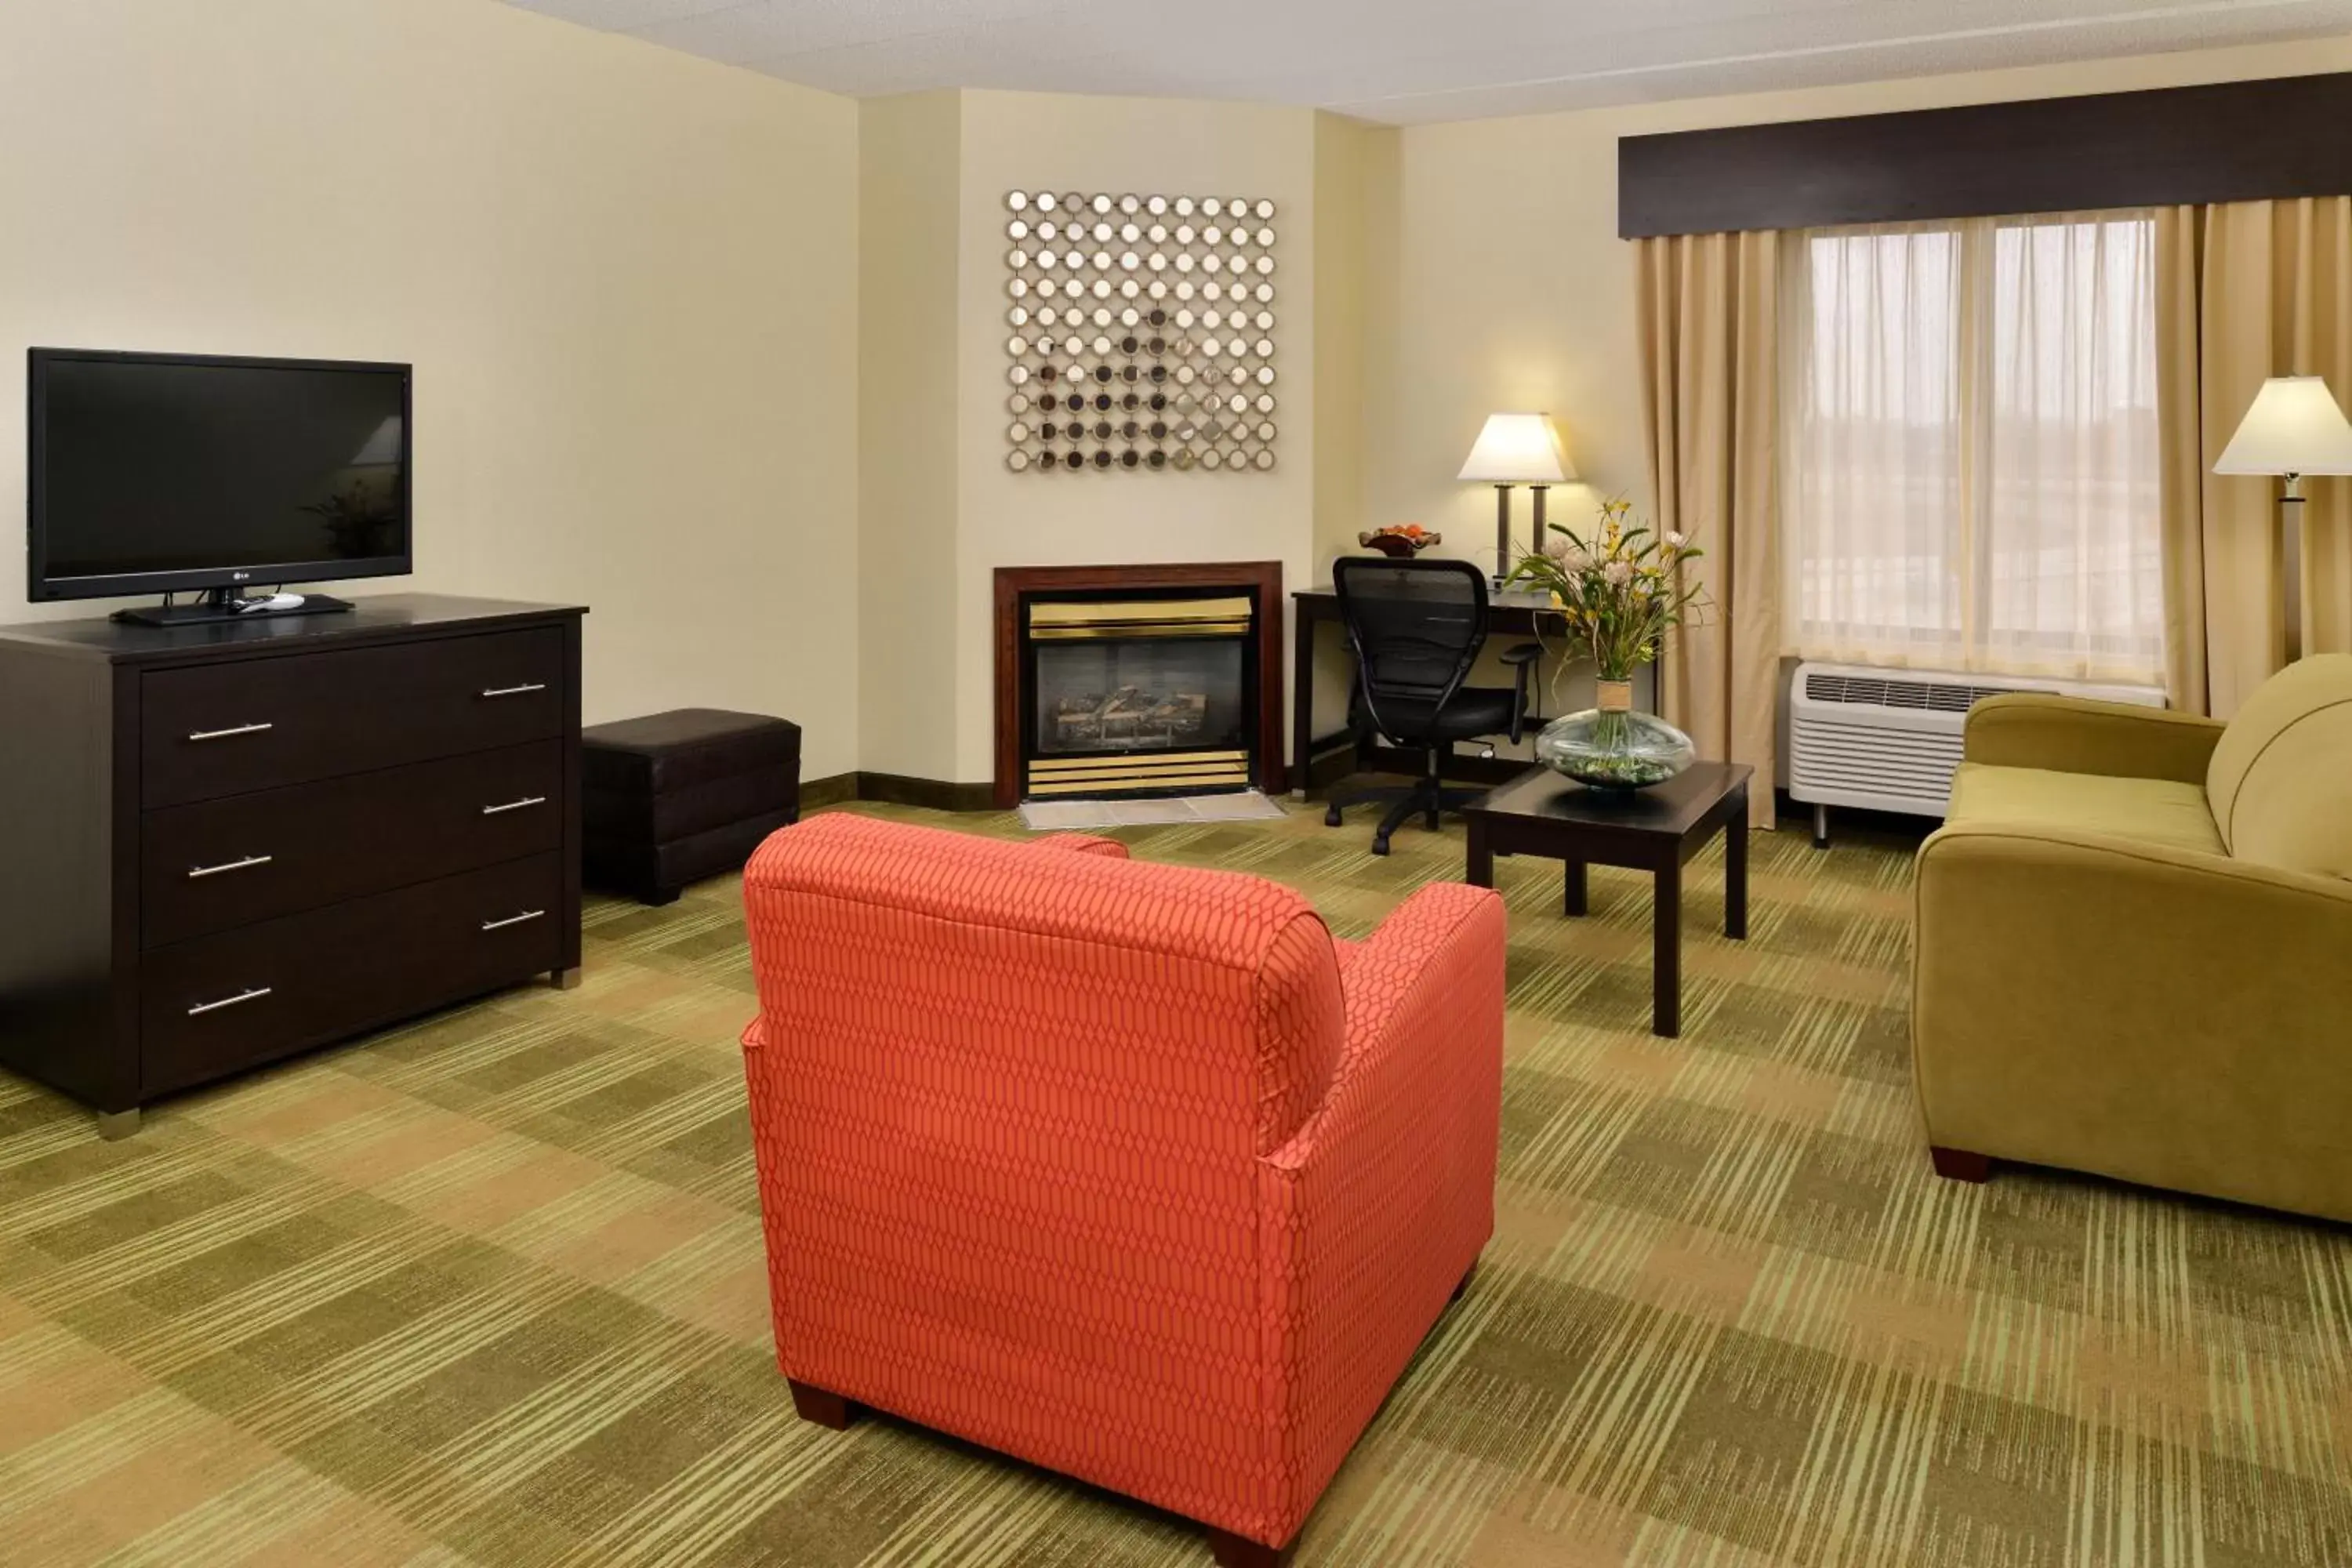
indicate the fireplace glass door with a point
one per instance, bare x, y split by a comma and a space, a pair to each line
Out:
1137, 697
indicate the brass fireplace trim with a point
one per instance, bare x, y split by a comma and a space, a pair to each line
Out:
1061, 622
1159, 769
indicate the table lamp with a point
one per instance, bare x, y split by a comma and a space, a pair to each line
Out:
2294, 428
1517, 449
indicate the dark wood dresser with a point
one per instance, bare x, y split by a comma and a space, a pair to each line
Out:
220, 844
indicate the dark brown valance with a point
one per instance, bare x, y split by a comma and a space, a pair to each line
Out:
2230, 141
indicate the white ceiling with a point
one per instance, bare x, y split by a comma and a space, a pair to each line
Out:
1410, 61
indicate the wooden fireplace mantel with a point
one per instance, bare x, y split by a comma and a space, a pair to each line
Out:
1263, 578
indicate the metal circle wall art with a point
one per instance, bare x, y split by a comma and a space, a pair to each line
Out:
1201, 374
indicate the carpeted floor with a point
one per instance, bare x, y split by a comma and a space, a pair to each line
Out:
488, 1291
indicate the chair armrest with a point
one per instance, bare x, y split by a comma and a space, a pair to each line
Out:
2077, 735
1373, 1212
1522, 653
1081, 844
2160, 1015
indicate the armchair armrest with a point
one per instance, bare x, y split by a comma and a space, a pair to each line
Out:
2160, 1015
2077, 735
1375, 1209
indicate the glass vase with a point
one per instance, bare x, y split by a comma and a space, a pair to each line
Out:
1614, 747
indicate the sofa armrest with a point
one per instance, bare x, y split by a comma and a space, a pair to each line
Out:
1373, 1212
2077, 735
1081, 844
2160, 1015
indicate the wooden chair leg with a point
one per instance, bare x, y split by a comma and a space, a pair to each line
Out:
1232, 1551
823, 1406
1960, 1165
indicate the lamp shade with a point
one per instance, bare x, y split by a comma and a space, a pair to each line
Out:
1518, 449
2293, 427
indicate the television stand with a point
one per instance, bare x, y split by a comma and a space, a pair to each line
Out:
215, 604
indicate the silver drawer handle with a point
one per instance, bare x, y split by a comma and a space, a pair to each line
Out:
512, 920
527, 687
256, 995
250, 861
232, 729
529, 800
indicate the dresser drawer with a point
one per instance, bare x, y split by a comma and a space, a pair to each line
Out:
219, 1004
218, 864
255, 724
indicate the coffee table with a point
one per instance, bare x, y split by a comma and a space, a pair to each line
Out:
1655, 830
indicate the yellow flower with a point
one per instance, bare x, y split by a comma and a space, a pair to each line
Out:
1557, 602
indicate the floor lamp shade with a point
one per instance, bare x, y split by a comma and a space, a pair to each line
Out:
1517, 449
2294, 428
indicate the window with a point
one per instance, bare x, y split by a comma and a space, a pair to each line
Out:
1968, 475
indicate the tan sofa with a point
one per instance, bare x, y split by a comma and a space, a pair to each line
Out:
2132, 947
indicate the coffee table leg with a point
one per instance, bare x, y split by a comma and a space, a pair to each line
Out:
1479, 872
1666, 959
1735, 870
1573, 899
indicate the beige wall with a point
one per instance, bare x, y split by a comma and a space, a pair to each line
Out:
1514, 292
627, 280
910, 197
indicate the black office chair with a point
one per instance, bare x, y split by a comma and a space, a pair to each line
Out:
1417, 627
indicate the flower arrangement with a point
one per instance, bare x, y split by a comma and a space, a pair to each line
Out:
1619, 592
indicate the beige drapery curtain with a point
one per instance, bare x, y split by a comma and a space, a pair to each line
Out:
2246, 291
1711, 377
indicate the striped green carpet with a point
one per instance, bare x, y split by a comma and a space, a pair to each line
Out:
488, 1291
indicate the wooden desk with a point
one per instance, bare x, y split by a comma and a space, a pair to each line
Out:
1511, 614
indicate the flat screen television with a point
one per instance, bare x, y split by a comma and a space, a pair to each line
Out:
167, 473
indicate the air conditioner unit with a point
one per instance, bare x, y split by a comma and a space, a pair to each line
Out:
1889, 739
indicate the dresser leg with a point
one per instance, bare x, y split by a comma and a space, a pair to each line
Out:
564, 979
117, 1124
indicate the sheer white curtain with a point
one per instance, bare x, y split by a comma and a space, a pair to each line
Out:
1968, 465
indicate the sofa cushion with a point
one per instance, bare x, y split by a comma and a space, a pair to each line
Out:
2282, 777
2146, 811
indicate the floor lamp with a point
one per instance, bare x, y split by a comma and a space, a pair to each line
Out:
2294, 428
1517, 449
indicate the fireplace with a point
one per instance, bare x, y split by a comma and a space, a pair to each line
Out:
1137, 681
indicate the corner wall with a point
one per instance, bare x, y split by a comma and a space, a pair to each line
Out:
1040, 140
627, 279
910, 197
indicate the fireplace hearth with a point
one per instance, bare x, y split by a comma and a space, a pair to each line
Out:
1136, 682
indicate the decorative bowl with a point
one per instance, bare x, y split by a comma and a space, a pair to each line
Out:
1400, 542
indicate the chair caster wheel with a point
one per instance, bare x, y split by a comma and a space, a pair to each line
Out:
1381, 846
1332, 817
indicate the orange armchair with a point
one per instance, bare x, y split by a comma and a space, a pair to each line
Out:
1129, 1171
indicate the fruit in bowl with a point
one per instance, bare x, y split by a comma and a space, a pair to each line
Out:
1400, 540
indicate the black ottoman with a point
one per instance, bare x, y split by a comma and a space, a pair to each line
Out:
678, 796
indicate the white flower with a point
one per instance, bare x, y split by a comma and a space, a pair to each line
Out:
1618, 573
1676, 540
